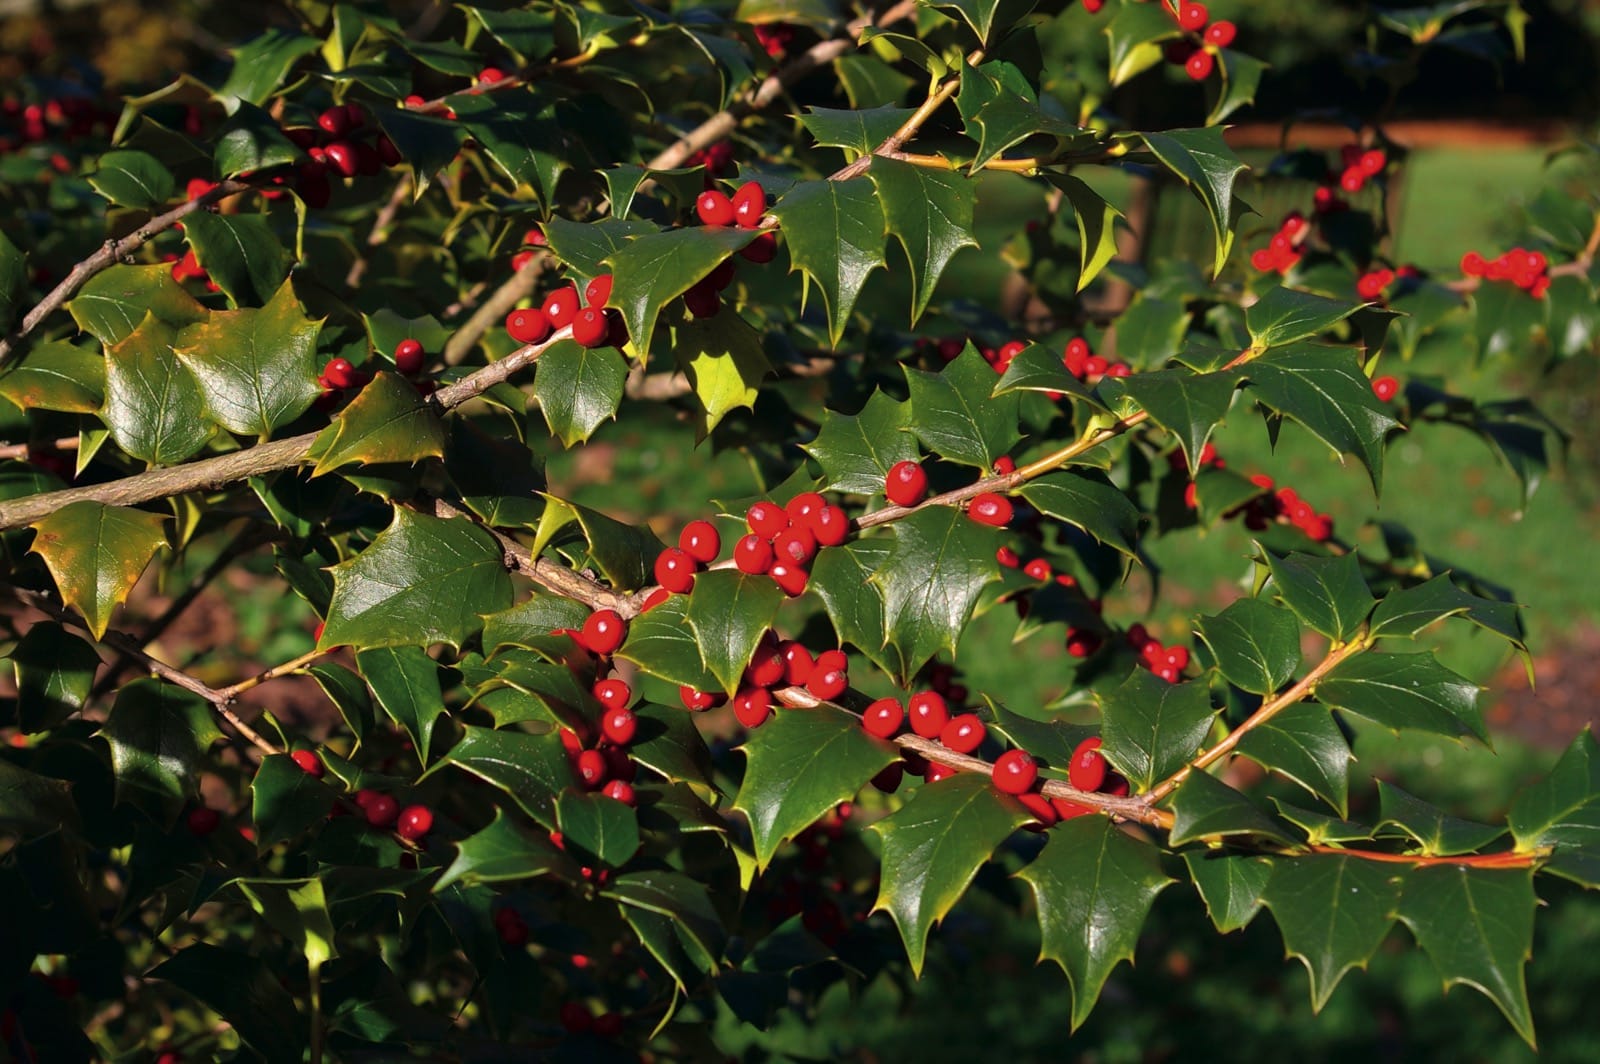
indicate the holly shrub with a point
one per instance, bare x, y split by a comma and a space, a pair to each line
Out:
335, 324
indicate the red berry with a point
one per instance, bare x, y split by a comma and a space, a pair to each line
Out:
830, 675
794, 545
830, 525
906, 484
883, 718
1220, 34
990, 509
590, 328
490, 76
343, 157
798, 664
591, 767
203, 820
791, 577
1193, 17
608, 1025
1372, 162
1116, 786
528, 326
561, 306
619, 725
1385, 388
761, 250
928, 714
1044, 814
1087, 769
753, 555
598, 291
937, 772
767, 519
613, 694
309, 762
702, 300
603, 632
766, 666
752, 706
408, 356
381, 810
387, 152
697, 701
963, 734
654, 599
1039, 569
339, 373
701, 541
576, 1017
1007, 557
1199, 65
621, 790
1015, 771
675, 570
888, 781
415, 822
335, 121
804, 507
721, 275
714, 208
749, 205
512, 928
571, 742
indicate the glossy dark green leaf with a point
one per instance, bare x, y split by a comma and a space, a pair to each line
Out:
406, 683
244, 992
1090, 502
502, 852
286, 800
1204, 162
1405, 691
856, 451
1324, 389
1204, 806
260, 66
529, 35
132, 179
1304, 743
113, 303
980, 14
956, 417
1231, 885
1093, 887
56, 376
532, 769
682, 900
930, 213
1408, 611
154, 408
422, 580
801, 764
498, 476
1152, 728
1151, 331
13, 282
724, 358
1283, 315
1188, 405
578, 389
1039, 369
54, 672
933, 846
1563, 810
1435, 831
427, 142
534, 624
841, 578
1001, 109
623, 553
159, 734
729, 611
527, 688
585, 246
668, 742
1506, 318
388, 422
257, 368
250, 139
1097, 221
1334, 912
1050, 741
652, 270
835, 231
96, 554
1328, 594
1256, 644
1476, 925
931, 581
598, 827
348, 694
661, 643
1424, 309
855, 130
32, 805
241, 253
519, 131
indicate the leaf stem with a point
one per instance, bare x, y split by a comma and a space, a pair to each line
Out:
1508, 859
233, 691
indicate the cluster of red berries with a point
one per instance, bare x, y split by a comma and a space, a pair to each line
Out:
1526, 269
1197, 52
1372, 284
601, 762
906, 485
593, 324
382, 811
511, 927
1089, 367
1359, 166
54, 119
745, 209
715, 158
1167, 662
576, 1018
1283, 505
1282, 252
775, 37
340, 144
533, 238
781, 543
778, 664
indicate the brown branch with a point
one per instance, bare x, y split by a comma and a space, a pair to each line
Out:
1509, 859
512, 291
669, 385
110, 253
895, 141
233, 691
16, 451
380, 229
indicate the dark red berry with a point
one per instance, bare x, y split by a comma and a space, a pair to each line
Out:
309, 762
613, 694
714, 208
529, 326
701, 541
203, 820
335, 121
753, 555
561, 306
381, 810
415, 822
721, 275
763, 249
603, 632
928, 713
609, 1024
702, 300
590, 328
1015, 771
767, 519
576, 1017
888, 781
409, 356
963, 734
752, 706
591, 768
991, 509
342, 156
749, 205
883, 718
674, 570
1087, 769
906, 484
619, 725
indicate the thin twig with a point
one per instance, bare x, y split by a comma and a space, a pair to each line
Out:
232, 692
380, 229
20, 451
1508, 859
516, 288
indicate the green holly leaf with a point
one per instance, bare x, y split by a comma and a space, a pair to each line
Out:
1239, 76
250, 139
585, 246
856, 451
1256, 644
244, 992
1324, 389
428, 142
1134, 35
1152, 728
1204, 162
623, 553
725, 362
1001, 109
661, 643
257, 368
855, 130
1093, 887
1151, 330
1204, 806
930, 213
422, 580
388, 422
348, 695
1283, 315
500, 853
933, 846
1037, 368
729, 611
241, 253
1089, 501
940, 563
835, 231
1319, 827
955, 416
32, 805
1407, 611
1304, 743
1329, 594
1476, 925
96, 554
652, 270
599, 828
528, 35
406, 682
526, 688
158, 734
534, 624
1334, 912
520, 133
56, 376
668, 742
132, 179
1563, 810
13, 282
1231, 885
842, 578
1051, 741
154, 406
980, 14
1401, 691
578, 389
1506, 319
1188, 405
54, 672
1435, 831
114, 302
682, 901
801, 764
532, 769
1097, 221
1422, 310
260, 66
285, 801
